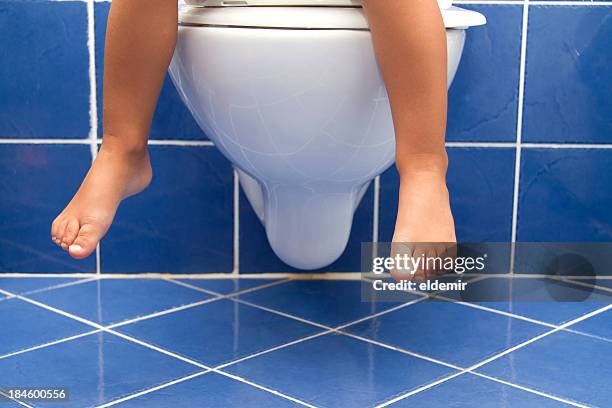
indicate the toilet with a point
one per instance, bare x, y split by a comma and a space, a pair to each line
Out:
290, 92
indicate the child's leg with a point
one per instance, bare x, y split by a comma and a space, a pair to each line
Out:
410, 42
140, 39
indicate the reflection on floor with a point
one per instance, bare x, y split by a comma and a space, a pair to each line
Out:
253, 342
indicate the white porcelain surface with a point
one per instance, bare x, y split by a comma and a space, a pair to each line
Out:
303, 115
307, 17
233, 3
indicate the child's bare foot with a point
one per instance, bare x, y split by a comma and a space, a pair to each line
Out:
424, 214
116, 173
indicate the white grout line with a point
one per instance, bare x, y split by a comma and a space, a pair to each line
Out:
236, 231
49, 344
376, 213
149, 346
499, 355
523, 388
506, 145
217, 296
58, 286
208, 143
8, 398
338, 330
170, 142
93, 97
153, 389
519, 133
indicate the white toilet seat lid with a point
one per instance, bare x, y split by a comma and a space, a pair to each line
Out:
444, 4
314, 18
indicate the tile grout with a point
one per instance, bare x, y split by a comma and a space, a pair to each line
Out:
161, 350
499, 355
519, 134
331, 330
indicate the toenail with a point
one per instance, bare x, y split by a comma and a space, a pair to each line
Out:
75, 247
64, 246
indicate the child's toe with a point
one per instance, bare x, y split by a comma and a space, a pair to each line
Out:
85, 243
70, 233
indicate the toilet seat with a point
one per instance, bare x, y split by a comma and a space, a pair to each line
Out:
444, 4
290, 15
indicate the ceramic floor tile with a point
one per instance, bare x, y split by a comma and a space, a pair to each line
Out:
24, 325
568, 365
109, 301
330, 303
227, 286
24, 285
220, 331
94, 369
598, 325
210, 390
468, 391
546, 300
446, 331
338, 371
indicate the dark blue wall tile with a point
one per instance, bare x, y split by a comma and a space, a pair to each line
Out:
172, 120
480, 182
256, 256
565, 195
484, 95
568, 75
44, 74
182, 223
36, 182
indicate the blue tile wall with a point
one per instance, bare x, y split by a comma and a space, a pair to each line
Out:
568, 75
184, 223
44, 74
172, 120
483, 98
565, 195
480, 183
36, 182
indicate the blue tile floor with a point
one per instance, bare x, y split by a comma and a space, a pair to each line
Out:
281, 342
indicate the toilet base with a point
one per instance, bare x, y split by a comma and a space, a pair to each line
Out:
307, 227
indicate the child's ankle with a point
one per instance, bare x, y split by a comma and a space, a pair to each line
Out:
125, 146
423, 164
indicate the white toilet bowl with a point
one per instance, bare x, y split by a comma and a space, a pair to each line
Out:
293, 97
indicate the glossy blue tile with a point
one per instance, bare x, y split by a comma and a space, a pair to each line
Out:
107, 301
26, 325
483, 99
227, 286
36, 182
210, 390
182, 223
339, 371
598, 325
447, 331
480, 182
545, 300
468, 390
95, 369
219, 331
567, 365
564, 196
45, 87
327, 302
256, 256
25, 285
172, 119
568, 60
